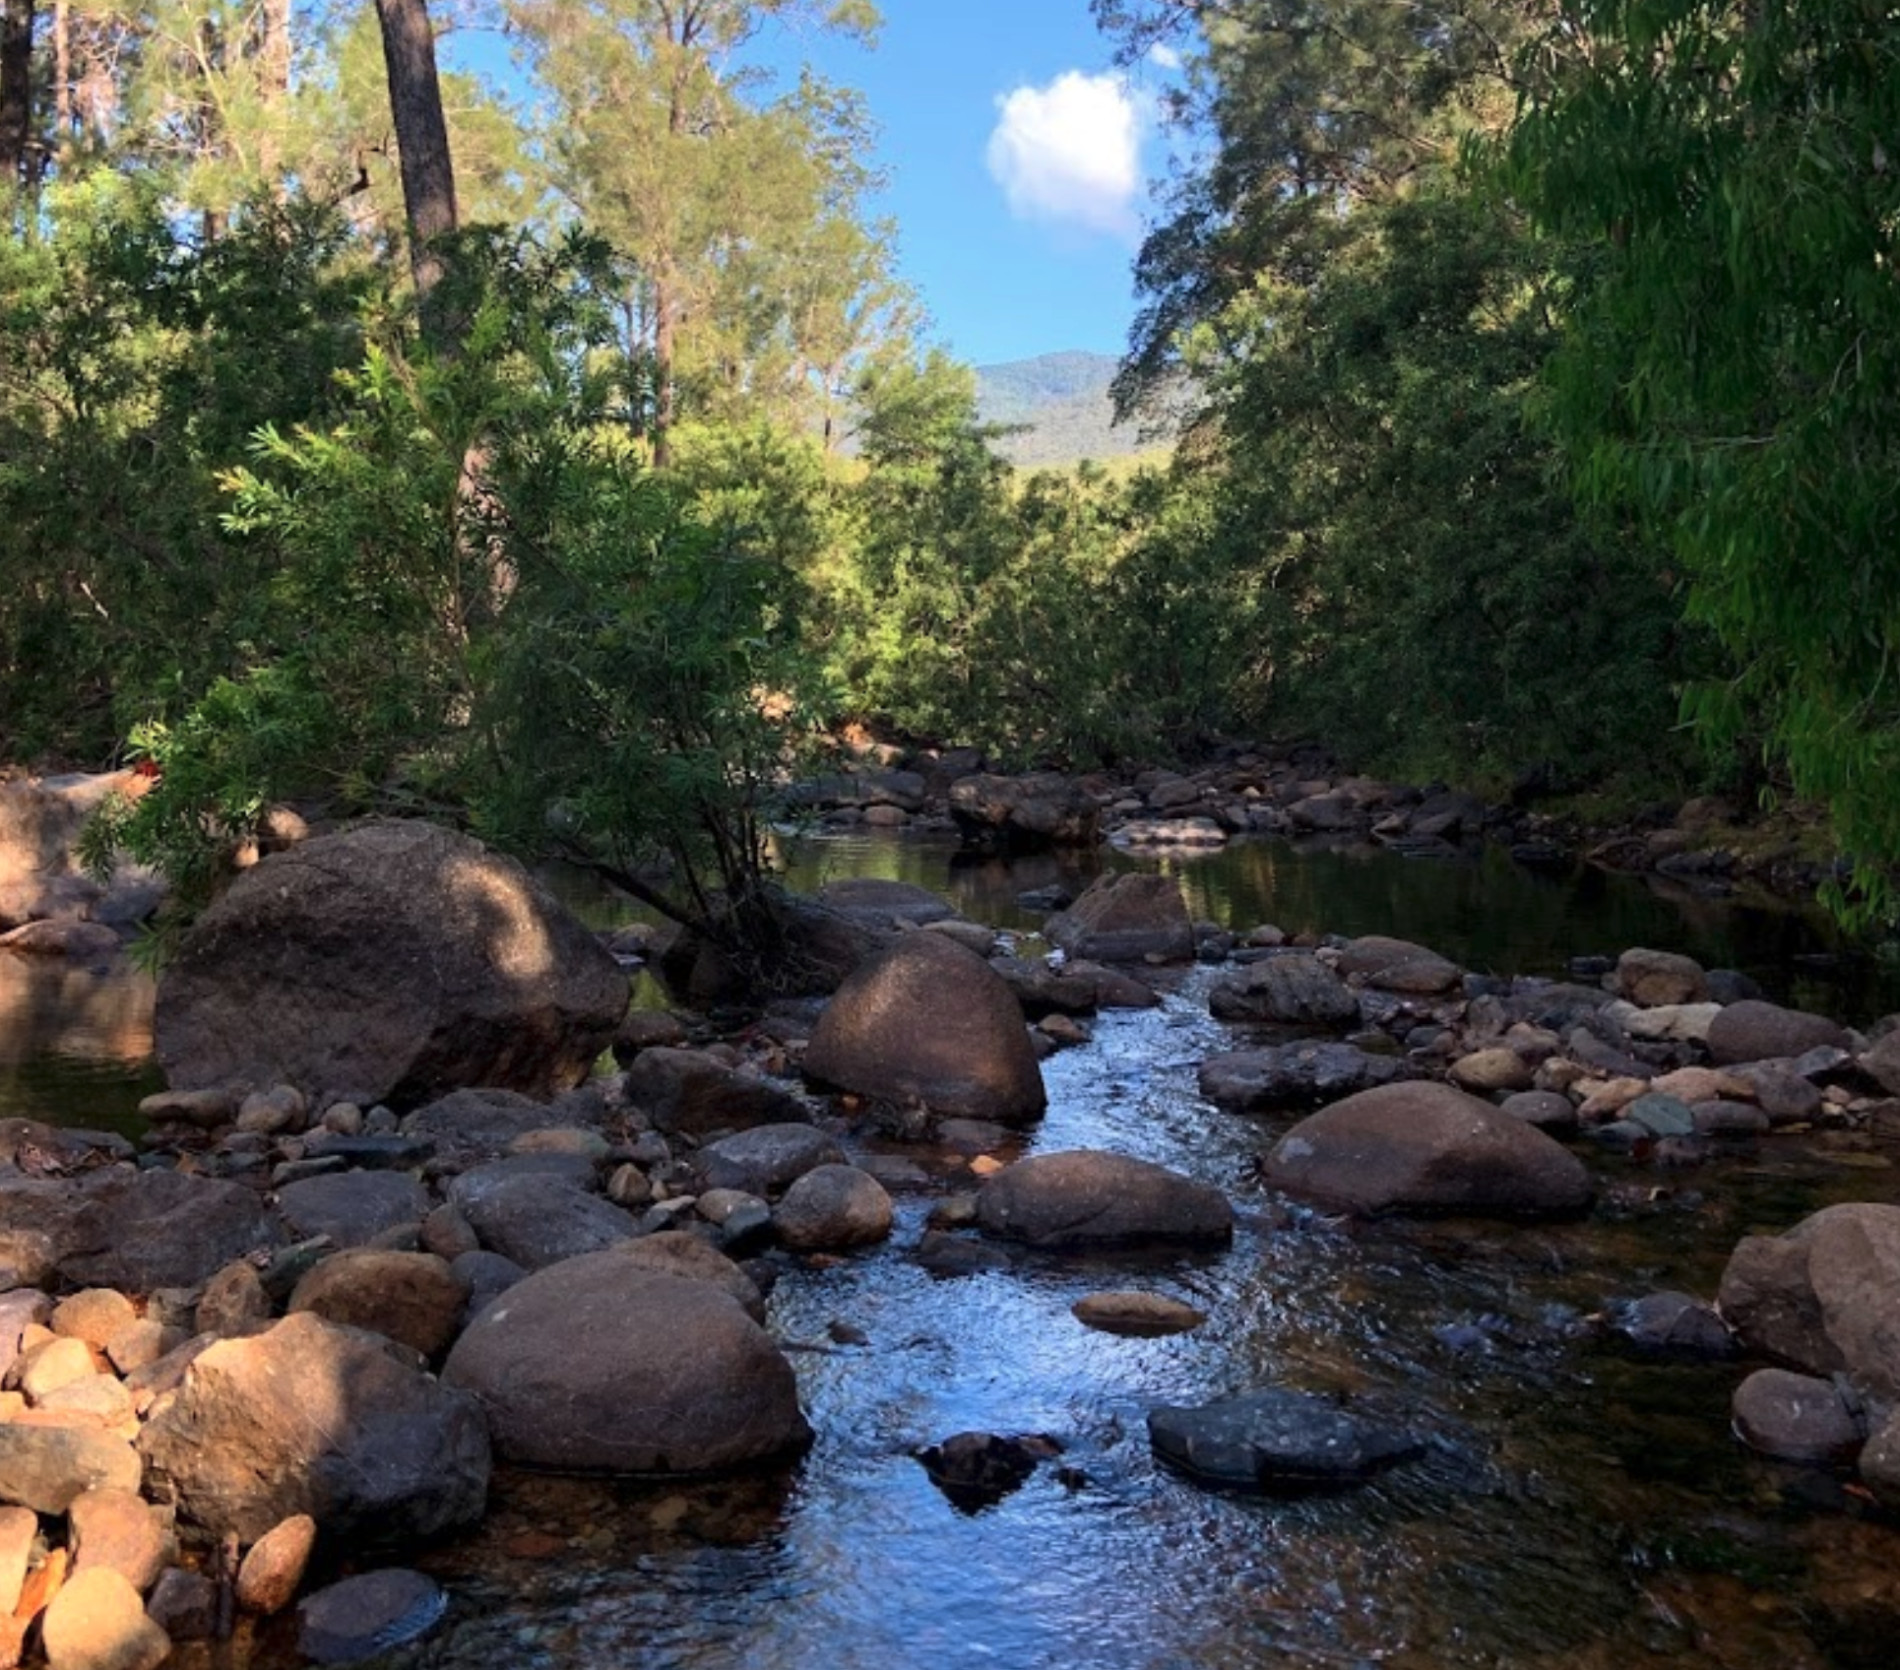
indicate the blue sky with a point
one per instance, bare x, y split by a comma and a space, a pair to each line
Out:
1019, 163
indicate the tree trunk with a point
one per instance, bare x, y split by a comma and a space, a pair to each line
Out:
663, 409
62, 78
270, 41
16, 94
422, 143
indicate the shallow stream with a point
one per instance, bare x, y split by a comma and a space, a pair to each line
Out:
1577, 1508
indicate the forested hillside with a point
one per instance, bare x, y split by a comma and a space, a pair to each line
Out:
1061, 407
385, 435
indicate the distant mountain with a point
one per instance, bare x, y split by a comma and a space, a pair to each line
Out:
1063, 402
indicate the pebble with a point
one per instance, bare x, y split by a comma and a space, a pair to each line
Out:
273, 1570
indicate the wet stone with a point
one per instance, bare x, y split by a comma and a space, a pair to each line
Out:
1795, 1417
363, 1616
1277, 1440
1675, 1325
1138, 1315
976, 1470
184, 1604
1662, 1116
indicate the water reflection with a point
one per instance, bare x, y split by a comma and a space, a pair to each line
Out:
75, 1041
1480, 909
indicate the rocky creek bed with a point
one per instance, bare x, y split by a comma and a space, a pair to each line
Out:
925, 1455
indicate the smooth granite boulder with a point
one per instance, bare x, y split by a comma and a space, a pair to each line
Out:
928, 1022
598, 1364
1426, 1148
391, 963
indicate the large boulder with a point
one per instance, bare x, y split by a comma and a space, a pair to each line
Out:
321, 1420
1132, 917
1825, 1297
390, 963
1756, 1031
129, 1229
1426, 1147
929, 1022
1044, 809
601, 1365
1086, 1198
1293, 990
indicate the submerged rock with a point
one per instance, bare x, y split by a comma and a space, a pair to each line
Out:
367, 1615
1277, 1440
1138, 1315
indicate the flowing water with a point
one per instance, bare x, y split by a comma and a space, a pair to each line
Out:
1576, 1507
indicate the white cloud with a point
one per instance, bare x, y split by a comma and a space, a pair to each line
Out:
1164, 56
1070, 152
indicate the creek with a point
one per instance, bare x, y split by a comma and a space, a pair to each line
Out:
1577, 1506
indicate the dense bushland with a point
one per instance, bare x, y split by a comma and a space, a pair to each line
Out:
1531, 391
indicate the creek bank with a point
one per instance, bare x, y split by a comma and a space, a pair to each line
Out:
1300, 791
437, 1203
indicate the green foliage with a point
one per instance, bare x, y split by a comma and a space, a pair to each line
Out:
641, 700
1448, 612
478, 604
134, 367
1359, 330
1732, 367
